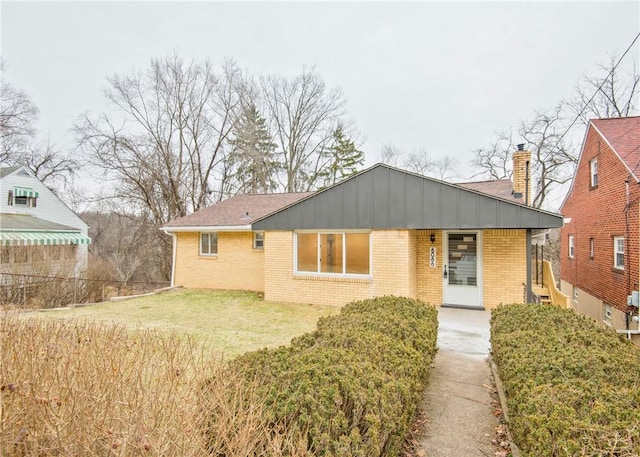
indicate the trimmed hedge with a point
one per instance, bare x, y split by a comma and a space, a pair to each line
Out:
572, 385
351, 387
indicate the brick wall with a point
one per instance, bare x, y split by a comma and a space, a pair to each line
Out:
599, 213
237, 266
504, 266
519, 178
393, 254
430, 279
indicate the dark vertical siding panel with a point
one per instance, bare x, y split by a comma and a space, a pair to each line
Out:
335, 209
431, 200
397, 200
508, 215
450, 205
365, 200
350, 204
414, 205
322, 210
381, 191
487, 213
468, 214
308, 208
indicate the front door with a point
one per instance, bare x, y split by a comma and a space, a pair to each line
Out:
462, 269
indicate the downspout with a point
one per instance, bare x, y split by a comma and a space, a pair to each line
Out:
529, 279
173, 259
526, 183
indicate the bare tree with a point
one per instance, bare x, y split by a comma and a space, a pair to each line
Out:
553, 159
303, 115
391, 155
420, 162
445, 168
612, 92
17, 121
165, 144
494, 162
18, 144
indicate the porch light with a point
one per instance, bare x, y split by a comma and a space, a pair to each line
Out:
433, 238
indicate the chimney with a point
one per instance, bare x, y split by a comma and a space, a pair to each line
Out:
522, 175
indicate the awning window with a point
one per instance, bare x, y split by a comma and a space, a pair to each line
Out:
30, 238
24, 192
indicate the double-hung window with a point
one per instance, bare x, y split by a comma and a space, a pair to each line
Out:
593, 167
332, 253
571, 246
258, 240
209, 243
618, 252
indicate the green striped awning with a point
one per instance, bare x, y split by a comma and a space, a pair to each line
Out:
32, 238
24, 192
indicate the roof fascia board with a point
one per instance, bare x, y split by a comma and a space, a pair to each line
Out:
208, 228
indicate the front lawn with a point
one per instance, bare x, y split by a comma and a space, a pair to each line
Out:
228, 322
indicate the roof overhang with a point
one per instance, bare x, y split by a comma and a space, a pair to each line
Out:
207, 228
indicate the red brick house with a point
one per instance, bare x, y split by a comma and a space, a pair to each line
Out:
599, 240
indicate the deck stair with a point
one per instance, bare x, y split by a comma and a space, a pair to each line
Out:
542, 293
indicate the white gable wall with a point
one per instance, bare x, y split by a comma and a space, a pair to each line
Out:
49, 206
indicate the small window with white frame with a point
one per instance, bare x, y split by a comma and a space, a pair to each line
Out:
209, 244
608, 312
571, 246
592, 247
618, 252
258, 240
593, 167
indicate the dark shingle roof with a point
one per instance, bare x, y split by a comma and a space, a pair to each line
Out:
239, 210
11, 221
501, 188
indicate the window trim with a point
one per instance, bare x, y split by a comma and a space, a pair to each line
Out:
593, 174
208, 254
256, 240
616, 252
319, 273
572, 247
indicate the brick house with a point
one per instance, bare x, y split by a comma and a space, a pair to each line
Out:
382, 231
599, 241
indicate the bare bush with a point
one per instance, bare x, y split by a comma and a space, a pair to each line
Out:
77, 388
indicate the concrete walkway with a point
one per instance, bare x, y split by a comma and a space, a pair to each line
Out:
458, 401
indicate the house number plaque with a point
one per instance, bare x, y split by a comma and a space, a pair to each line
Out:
432, 257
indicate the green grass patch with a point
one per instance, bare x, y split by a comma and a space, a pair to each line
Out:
572, 384
227, 322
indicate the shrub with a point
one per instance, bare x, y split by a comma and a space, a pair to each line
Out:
78, 388
572, 385
351, 387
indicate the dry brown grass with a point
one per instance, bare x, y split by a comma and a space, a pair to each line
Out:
80, 388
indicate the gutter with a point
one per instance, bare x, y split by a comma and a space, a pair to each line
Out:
207, 228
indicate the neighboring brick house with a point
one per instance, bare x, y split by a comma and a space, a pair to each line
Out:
382, 231
599, 241
39, 234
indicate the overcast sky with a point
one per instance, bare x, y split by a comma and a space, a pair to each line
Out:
439, 76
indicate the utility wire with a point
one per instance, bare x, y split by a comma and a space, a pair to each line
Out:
597, 90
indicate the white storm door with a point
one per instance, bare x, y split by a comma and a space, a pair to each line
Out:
462, 269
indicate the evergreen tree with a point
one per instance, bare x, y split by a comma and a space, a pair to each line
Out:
252, 155
343, 158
